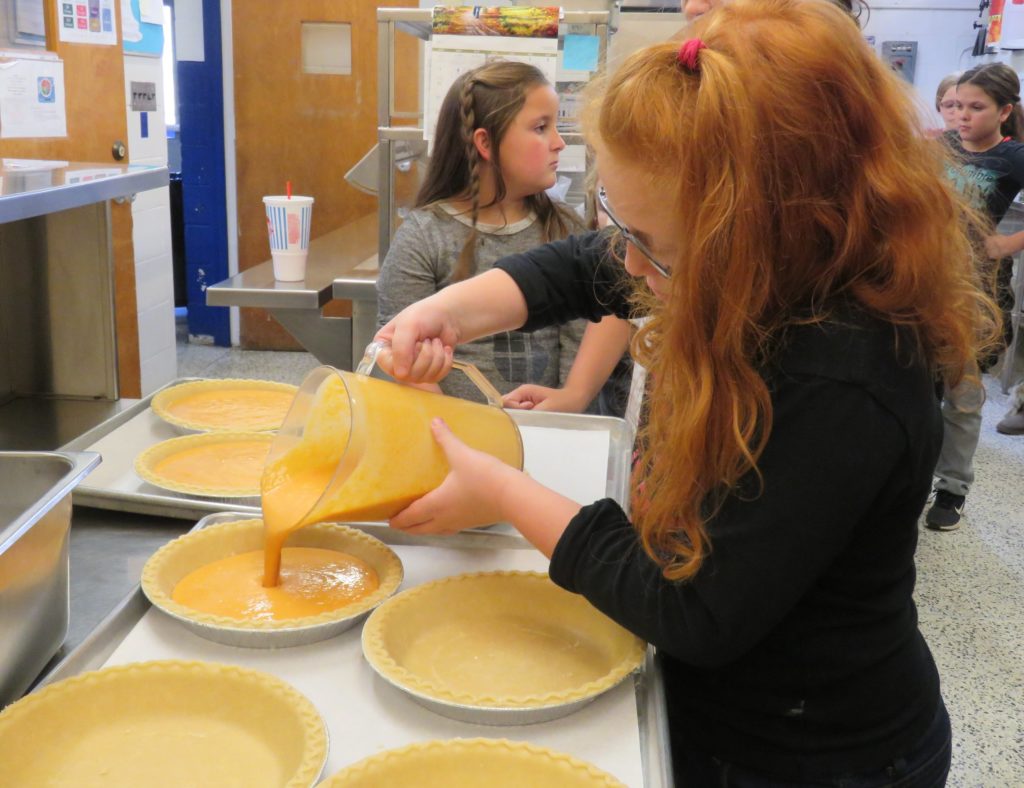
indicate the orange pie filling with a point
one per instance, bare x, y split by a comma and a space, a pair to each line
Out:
335, 474
231, 465
232, 408
312, 581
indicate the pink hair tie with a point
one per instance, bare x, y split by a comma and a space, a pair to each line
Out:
688, 53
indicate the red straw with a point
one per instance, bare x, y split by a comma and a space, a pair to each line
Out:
288, 188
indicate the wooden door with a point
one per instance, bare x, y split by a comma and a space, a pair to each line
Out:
96, 118
309, 129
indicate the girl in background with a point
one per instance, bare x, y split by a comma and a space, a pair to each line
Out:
945, 102
804, 293
496, 151
988, 144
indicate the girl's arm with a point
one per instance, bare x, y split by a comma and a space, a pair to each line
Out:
480, 490
768, 549
483, 305
551, 284
602, 346
999, 246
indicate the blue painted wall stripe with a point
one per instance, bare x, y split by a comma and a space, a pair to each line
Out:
201, 113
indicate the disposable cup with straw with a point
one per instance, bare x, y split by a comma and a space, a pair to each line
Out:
288, 221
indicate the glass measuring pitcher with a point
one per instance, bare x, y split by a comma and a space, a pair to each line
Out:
355, 448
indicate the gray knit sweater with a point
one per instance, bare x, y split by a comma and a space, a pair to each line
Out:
419, 263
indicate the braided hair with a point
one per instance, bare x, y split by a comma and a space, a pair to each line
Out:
489, 98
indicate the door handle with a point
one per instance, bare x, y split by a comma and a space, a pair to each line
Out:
119, 150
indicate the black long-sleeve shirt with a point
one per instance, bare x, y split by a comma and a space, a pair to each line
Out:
795, 649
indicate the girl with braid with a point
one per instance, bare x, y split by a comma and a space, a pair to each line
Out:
806, 268
495, 152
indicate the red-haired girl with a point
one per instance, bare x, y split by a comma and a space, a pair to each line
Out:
807, 273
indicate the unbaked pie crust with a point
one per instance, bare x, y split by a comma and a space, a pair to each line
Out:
163, 724
498, 763
240, 416
209, 452
498, 640
176, 559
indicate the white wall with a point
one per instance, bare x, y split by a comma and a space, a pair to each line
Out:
945, 36
151, 214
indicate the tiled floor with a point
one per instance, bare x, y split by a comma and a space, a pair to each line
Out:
970, 595
970, 583
210, 361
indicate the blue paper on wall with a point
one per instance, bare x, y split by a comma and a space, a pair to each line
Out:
580, 53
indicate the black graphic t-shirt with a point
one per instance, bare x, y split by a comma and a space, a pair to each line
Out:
994, 177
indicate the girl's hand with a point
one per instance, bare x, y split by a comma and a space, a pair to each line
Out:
533, 397
999, 246
421, 337
526, 397
469, 496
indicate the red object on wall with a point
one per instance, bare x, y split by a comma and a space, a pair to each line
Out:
995, 21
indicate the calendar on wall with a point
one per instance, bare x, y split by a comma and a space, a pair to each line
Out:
467, 37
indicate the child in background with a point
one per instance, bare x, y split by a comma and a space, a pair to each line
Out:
803, 295
945, 102
496, 151
988, 143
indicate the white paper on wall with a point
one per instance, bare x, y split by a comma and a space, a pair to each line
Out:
32, 99
92, 22
451, 56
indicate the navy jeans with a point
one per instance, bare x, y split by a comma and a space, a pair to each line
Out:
926, 765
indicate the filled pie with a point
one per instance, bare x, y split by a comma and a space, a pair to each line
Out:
172, 563
220, 464
225, 405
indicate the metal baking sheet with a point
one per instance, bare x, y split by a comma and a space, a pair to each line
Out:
561, 451
366, 715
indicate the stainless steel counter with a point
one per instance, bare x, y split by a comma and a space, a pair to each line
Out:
37, 188
342, 264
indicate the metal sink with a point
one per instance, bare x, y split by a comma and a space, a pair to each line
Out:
35, 519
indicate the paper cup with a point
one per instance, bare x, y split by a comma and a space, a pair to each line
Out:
289, 266
288, 224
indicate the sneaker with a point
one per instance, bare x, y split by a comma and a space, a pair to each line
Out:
1013, 421
944, 514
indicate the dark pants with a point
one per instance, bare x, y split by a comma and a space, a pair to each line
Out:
924, 766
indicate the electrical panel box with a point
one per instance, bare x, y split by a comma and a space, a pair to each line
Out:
901, 57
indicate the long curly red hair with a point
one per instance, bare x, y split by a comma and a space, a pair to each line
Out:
802, 177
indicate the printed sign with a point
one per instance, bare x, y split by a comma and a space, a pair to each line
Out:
91, 22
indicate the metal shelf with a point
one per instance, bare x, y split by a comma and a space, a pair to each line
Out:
49, 190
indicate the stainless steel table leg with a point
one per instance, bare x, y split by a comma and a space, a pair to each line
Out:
364, 326
327, 338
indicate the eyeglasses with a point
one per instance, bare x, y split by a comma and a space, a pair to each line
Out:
627, 234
